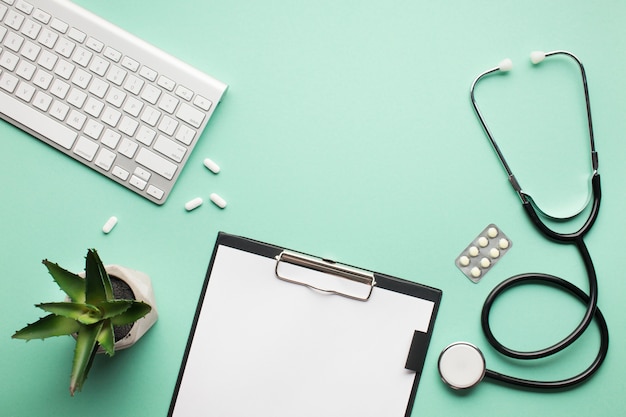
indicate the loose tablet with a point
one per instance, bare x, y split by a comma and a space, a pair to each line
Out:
219, 201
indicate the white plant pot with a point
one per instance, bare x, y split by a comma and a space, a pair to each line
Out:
141, 285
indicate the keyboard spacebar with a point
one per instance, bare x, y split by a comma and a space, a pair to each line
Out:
33, 120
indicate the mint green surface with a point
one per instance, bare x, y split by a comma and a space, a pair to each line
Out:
347, 132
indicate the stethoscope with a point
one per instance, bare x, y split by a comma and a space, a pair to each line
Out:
462, 365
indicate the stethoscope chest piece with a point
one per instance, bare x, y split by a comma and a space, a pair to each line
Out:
461, 365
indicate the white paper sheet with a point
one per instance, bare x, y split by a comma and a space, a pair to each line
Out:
268, 348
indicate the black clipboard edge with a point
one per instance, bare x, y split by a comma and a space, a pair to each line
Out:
271, 251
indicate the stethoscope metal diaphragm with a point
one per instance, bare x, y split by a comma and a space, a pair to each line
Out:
461, 365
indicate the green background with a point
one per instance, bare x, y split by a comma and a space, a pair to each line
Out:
347, 132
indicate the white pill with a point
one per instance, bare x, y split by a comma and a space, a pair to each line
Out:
483, 241
110, 224
211, 165
192, 204
504, 244
219, 201
473, 251
485, 263
492, 232
464, 260
476, 272
494, 253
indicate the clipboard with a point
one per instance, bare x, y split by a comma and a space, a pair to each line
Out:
278, 333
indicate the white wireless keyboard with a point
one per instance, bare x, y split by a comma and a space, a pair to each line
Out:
100, 95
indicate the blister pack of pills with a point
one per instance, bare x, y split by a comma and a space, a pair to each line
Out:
483, 253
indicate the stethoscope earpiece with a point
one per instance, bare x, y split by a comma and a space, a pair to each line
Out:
461, 365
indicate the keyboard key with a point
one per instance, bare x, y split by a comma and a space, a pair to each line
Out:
168, 103
42, 79
99, 66
81, 78
145, 135
8, 60
25, 70
190, 115
65, 47
64, 69
31, 51
133, 106
184, 93
59, 25
156, 163
13, 41
151, 116
133, 84
8, 82
169, 148
25, 92
110, 138
98, 88
47, 60
137, 182
120, 173
31, 29
111, 116
14, 20
77, 35
116, 75
94, 107
59, 110
94, 44
116, 97
166, 83
128, 126
59, 89
76, 120
151, 94
23, 6
148, 73
43, 125
93, 129
185, 135
42, 101
112, 54
105, 159
142, 173
48, 38
130, 64
128, 148
82, 57
42, 16
155, 192
203, 103
168, 125
85, 148
77, 98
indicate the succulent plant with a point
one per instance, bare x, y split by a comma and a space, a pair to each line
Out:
89, 316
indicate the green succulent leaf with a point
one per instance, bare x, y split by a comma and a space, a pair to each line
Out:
84, 313
137, 310
106, 338
97, 282
86, 347
114, 308
70, 283
49, 326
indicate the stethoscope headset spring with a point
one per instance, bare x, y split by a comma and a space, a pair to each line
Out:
462, 365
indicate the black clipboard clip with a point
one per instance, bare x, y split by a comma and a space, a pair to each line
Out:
357, 284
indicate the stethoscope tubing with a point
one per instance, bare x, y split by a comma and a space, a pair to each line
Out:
560, 283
